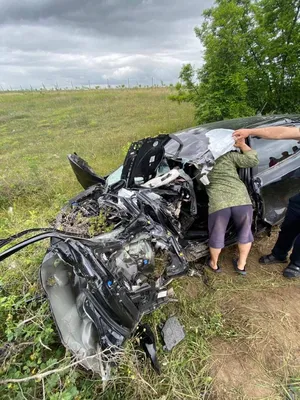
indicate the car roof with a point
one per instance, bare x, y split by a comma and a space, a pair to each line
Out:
195, 143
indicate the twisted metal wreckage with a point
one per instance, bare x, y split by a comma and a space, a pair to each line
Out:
156, 206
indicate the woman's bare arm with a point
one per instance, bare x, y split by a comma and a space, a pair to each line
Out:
241, 144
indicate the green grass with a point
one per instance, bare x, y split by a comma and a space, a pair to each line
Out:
37, 131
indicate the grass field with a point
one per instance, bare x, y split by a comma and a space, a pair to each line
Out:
241, 334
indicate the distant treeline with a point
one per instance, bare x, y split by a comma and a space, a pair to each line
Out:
130, 84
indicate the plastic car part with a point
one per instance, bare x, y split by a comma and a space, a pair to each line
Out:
84, 173
162, 180
146, 340
172, 333
143, 159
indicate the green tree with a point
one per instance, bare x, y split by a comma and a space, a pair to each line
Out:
251, 60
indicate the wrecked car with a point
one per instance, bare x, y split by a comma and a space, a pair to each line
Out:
117, 245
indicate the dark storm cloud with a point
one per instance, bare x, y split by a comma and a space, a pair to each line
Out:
79, 41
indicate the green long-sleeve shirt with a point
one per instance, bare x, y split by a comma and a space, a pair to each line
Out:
225, 188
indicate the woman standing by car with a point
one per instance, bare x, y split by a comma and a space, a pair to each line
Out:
289, 236
229, 198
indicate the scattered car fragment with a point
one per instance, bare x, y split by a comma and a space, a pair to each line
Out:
172, 333
103, 269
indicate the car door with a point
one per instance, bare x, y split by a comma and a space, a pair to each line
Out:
277, 177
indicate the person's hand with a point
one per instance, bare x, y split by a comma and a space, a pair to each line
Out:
241, 134
242, 145
239, 143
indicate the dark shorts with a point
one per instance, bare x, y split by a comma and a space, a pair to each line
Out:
218, 222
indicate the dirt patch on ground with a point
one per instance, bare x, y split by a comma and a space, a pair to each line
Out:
262, 319
266, 350
191, 287
236, 375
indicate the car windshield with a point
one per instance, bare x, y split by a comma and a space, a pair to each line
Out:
115, 176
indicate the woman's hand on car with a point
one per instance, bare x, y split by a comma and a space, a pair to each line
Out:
241, 144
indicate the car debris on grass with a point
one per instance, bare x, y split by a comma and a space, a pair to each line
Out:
116, 247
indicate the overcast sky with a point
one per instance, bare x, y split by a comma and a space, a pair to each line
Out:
74, 42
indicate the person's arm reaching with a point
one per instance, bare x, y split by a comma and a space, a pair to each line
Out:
242, 145
247, 159
271, 132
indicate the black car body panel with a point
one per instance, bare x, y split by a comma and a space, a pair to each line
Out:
83, 172
275, 186
99, 287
